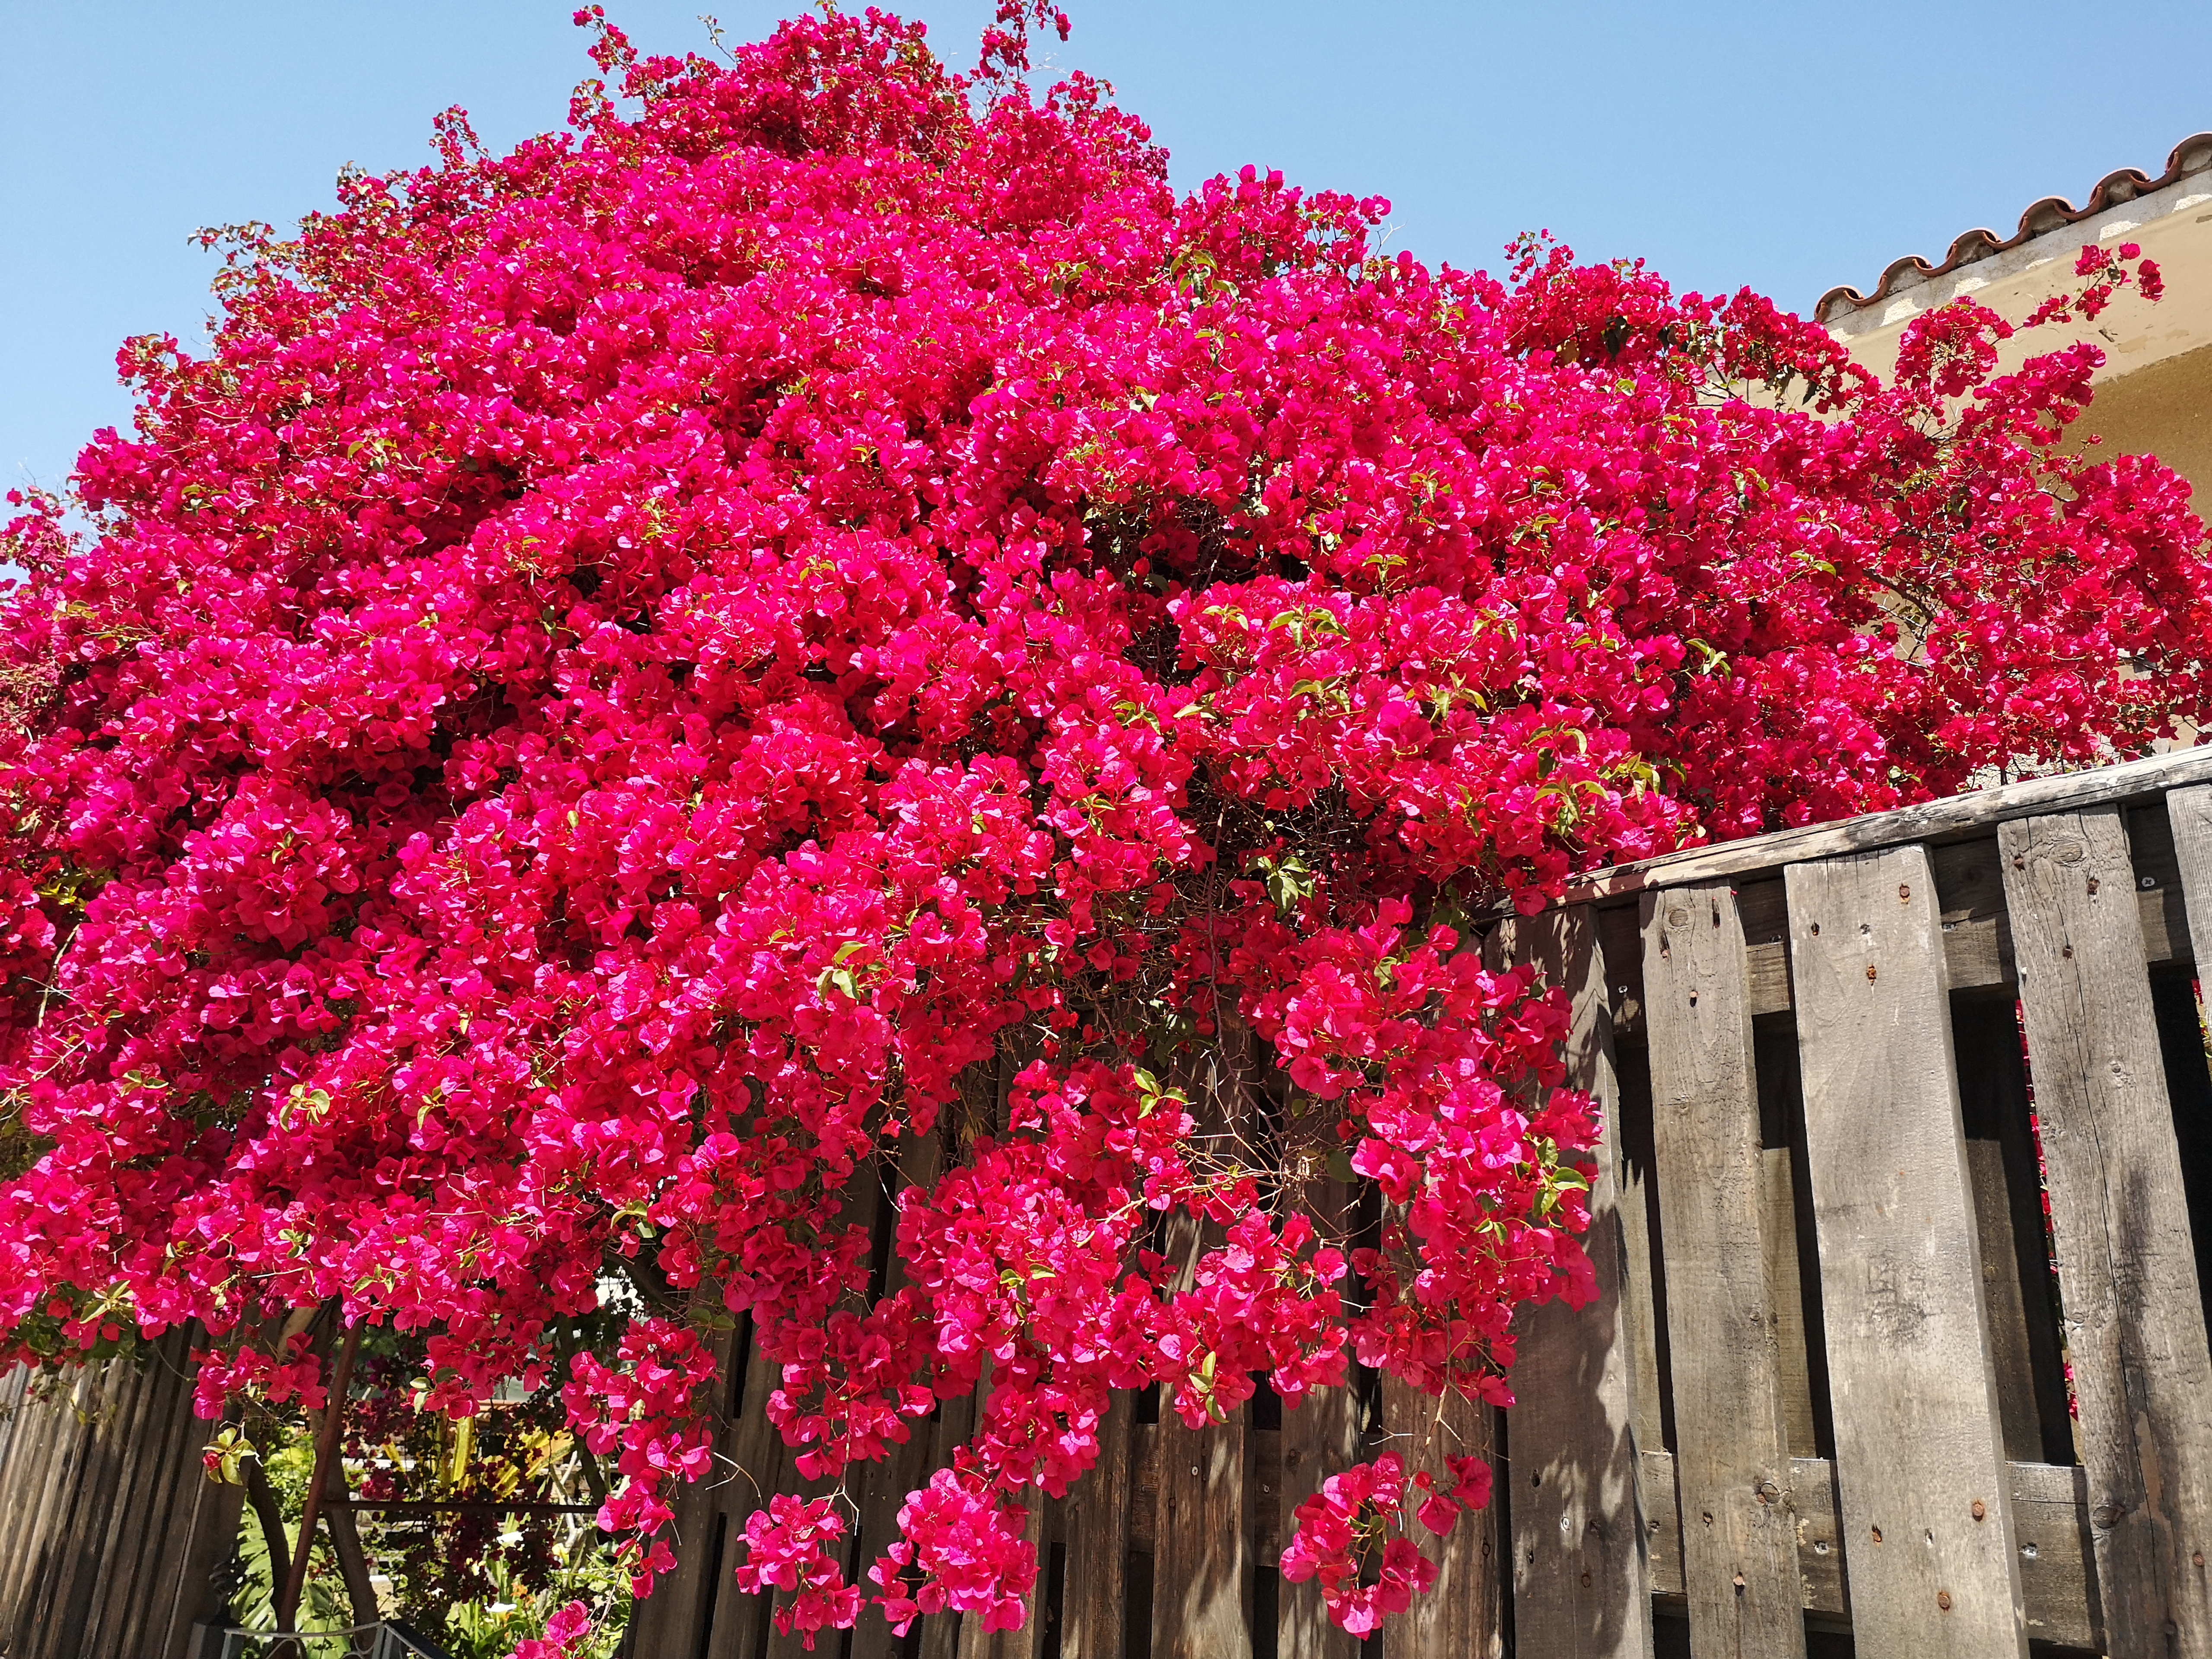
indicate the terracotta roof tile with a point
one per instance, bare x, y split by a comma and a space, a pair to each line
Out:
2193, 155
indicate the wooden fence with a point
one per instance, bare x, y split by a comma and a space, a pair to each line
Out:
1843, 1391
1822, 1405
114, 1545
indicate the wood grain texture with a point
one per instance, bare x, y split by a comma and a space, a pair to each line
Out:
140, 1420
1320, 1436
2004, 1309
38, 1438
1740, 1551
2020, 1292
681, 1601
1581, 1573
2050, 1520
1663, 1520
1976, 930
1637, 1200
110, 1530
758, 1468
1777, 1240
1025, 1643
1201, 1582
1919, 1448
2189, 819
1464, 1615
200, 1532
1095, 1588
2120, 1215
2058, 1571
1953, 817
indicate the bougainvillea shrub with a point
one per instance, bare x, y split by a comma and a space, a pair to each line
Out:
633, 671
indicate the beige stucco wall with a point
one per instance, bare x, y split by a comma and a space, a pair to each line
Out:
2163, 410
2154, 392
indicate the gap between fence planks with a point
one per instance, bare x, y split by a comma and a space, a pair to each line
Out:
1732, 1463
1581, 1571
1919, 1454
2120, 1221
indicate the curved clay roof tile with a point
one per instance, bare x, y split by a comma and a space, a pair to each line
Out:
2192, 155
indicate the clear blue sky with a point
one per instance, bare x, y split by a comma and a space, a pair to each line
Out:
1787, 146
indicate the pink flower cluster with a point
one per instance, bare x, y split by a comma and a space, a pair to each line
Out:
297, 1376
787, 1549
568, 1626
959, 1548
1352, 1535
823, 623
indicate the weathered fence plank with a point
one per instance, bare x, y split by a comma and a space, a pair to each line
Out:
1201, 1589
1022, 1642
1950, 818
2019, 1292
1740, 1551
2189, 814
157, 1409
683, 1600
111, 1533
1778, 1243
2049, 1516
1581, 1578
1201, 1586
2120, 1218
1320, 1437
1098, 1542
1463, 1616
1932, 1565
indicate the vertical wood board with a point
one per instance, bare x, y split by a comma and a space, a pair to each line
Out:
2188, 816
1732, 1462
1919, 1448
1320, 1436
2135, 1323
1463, 1615
1201, 1582
1581, 1578
1095, 1589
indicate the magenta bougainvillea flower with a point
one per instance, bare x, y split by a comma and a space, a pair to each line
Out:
632, 671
